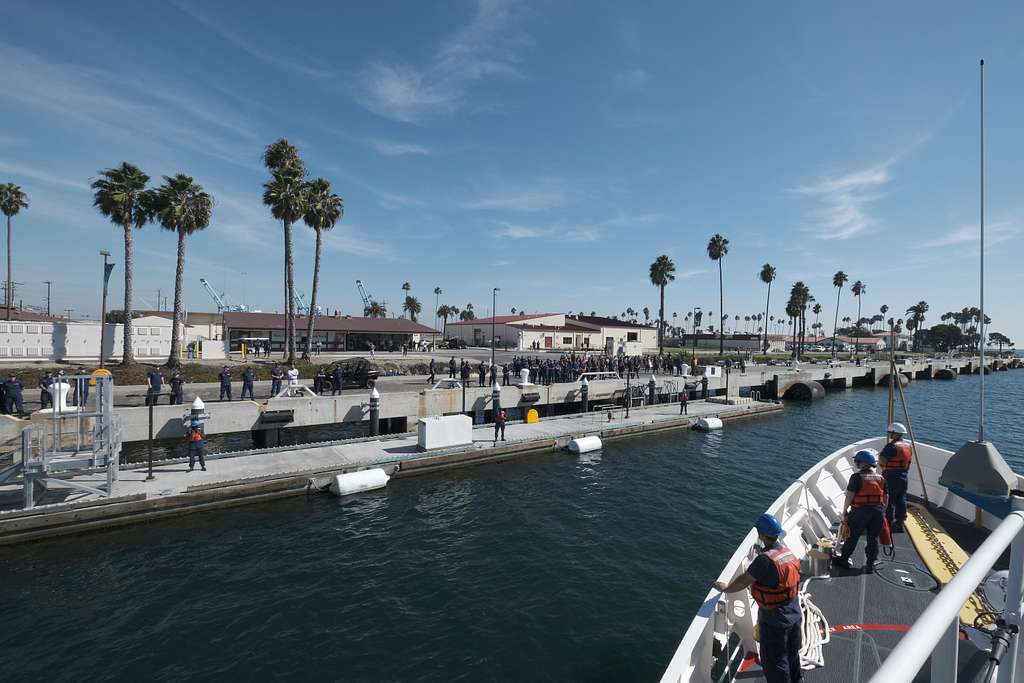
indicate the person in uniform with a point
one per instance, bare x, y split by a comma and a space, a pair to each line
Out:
156, 383
318, 381
896, 457
248, 379
225, 383
177, 388
504, 375
451, 368
774, 582
12, 396
45, 397
494, 374
863, 509
433, 371
338, 380
276, 377
482, 370
194, 437
499, 424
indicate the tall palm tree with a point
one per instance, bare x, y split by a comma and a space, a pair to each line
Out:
663, 271
181, 206
467, 313
718, 247
120, 195
858, 290
437, 301
816, 310
916, 313
411, 305
376, 310
12, 201
406, 288
285, 194
838, 280
444, 311
323, 210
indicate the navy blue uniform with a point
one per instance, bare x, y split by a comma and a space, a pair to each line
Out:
863, 519
155, 384
12, 390
895, 481
779, 627
338, 378
276, 375
225, 384
177, 393
45, 397
248, 377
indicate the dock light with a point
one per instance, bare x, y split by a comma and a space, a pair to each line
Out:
374, 412
495, 397
584, 391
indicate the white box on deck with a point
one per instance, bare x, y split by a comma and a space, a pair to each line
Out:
444, 431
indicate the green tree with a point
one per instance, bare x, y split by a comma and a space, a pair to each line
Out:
767, 276
858, 290
718, 247
467, 313
915, 320
412, 306
662, 272
120, 194
323, 210
286, 195
376, 310
838, 280
1000, 339
444, 311
181, 206
12, 201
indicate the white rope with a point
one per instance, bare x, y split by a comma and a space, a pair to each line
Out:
814, 631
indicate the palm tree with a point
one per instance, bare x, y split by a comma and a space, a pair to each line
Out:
838, 280
180, 205
12, 201
718, 247
444, 311
376, 310
120, 195
406, 288
816, 310
858, 290
323, 210
285, 194
916, 313
437, 301
663, 271
467, 313
411, 305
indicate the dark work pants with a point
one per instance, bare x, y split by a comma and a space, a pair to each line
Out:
225, 390
195, 450
177, 397
897, 508
780, 653
44, 399
246, 387
152, 395
14, 402
499, 428
275, 387
864, 520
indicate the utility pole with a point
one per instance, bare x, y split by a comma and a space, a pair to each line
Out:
67, 313
107, 267
158, 300
47, 283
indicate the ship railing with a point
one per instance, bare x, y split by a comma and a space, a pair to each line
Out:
936, 632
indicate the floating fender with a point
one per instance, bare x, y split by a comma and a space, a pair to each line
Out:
707, 424
900, 378
944, 373
804, 391
356, 482
585, 444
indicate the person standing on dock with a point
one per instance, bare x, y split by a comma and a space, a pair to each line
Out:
194, 437
863, 509
451, 368
318, 381
225, 383
896, 458
499, 424
177, 392
504, 375
12, 396
433, 371
156, 383
293, 376
774, 581
276, 377
248, 380
337, 380
45, 397
482, 370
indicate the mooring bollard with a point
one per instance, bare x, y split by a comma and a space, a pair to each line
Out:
374, 412
495, 398
652, 387
584, 390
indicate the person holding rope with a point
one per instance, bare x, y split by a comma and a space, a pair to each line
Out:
863, 509
896, 458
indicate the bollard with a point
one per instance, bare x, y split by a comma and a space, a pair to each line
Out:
584, 390
495, 398
652, 388
374, 412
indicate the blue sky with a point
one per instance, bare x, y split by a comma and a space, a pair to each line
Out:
549, 149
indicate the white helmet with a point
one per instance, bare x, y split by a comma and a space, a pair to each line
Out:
897, 428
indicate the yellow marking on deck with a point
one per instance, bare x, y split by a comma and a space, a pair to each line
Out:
943, 557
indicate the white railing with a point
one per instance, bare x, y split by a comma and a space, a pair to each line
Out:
935, 634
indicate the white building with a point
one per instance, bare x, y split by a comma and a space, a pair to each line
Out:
557, 332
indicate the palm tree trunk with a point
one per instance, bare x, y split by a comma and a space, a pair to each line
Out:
129, 350
767, 301
721, 307
10, 293
835, 325
179, 273
289, 268
312, 296
661, 322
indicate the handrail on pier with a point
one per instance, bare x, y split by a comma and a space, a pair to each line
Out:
936, 631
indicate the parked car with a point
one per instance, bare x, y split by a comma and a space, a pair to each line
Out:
357, 373
454, 343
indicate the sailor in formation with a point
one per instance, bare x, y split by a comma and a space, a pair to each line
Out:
863, 509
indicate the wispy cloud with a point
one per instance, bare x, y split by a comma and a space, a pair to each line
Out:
42, 175
996, 232
484, 48
632, 79
521, 200
392, 148
258, 50
844, 198
566, 231
688, 274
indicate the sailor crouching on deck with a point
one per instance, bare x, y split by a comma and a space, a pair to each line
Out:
864, 509
896, 458
774, 581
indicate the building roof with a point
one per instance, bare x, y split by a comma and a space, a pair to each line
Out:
601, 321
274, 321
503, 319
567, 327
25, 315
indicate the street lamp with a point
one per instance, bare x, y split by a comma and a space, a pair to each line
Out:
494, 312
107, 267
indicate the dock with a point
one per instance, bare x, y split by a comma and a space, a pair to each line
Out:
252, 476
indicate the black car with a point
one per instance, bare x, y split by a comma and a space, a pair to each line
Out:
455, 343
356, 373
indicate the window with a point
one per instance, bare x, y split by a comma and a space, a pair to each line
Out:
631, 336
32, 329
4, 352
3, 328
17, 329
47, 329
141, 331
17, 351
31, 351
155, 331
154, 351
567, 340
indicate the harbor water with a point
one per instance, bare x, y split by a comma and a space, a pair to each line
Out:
551, 567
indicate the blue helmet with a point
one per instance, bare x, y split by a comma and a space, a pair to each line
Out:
866, 456
768, 525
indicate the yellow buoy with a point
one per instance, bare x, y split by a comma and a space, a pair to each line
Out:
532, 416
102, 372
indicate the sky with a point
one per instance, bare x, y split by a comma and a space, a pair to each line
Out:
553, 150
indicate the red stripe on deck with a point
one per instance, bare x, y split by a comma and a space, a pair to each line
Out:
748, 661
846, 628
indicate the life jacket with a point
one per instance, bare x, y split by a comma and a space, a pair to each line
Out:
788, 568
872, 490
195, 435
901, 459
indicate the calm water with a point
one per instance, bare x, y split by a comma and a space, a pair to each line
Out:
550, 568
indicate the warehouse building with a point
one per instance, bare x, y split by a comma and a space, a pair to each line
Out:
333, 332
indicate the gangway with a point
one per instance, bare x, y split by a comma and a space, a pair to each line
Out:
221, 299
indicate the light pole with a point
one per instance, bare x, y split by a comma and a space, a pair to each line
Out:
47, 283
107, 267
437, 305
494, 312
697, 313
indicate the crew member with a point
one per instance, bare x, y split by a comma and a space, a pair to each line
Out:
156, 379
293, 376
45, 397
225, 383
318, 381
499, 424
774, 581
12, 396
177, 393
451, 368
864, 509
194, 436
896, 458
338, 379
433, 371
248, 378
504, 375
276, 377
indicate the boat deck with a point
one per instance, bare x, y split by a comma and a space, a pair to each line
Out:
869, 613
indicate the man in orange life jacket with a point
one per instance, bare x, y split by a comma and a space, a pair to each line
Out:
896, 458
194, 438
774, 581
864, 509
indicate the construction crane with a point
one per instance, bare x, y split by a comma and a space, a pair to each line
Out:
366, 296
301, 307
221, 299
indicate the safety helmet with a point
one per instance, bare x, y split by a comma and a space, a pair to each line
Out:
897, 428
866, 456
768, 525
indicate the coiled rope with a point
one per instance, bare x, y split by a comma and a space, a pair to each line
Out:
814, 632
